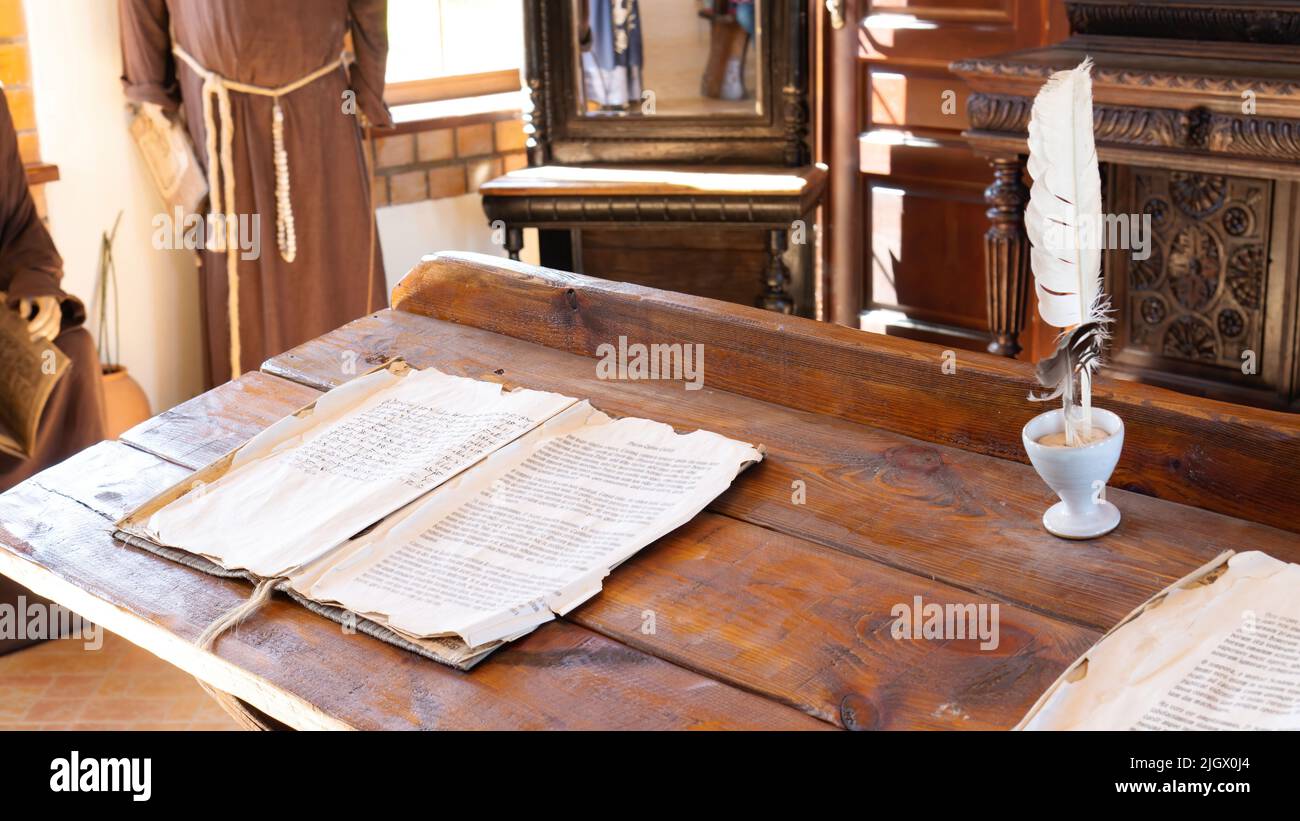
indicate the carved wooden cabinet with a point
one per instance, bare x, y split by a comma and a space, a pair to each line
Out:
918, 176
1197, 120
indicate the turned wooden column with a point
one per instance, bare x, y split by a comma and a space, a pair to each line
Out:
1006, 255
776, 276
514, 241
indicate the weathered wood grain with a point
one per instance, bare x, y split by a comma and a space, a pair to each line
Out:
769, 613
968, 520
301, 668
812, 627
212, 424
1230, 459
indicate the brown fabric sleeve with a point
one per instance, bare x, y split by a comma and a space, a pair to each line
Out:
368, 20
29, 264
148, 67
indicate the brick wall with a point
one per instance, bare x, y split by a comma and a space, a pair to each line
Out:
16, 75
445, 158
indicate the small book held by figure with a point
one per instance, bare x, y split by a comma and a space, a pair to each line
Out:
443, 514
29, 370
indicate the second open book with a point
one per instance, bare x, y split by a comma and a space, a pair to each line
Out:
444, 514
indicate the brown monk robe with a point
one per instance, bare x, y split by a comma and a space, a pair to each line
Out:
30, 268
335, 273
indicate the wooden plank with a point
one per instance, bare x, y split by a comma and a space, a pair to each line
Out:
212, 424
301, 668
39, 173
800, 624
811, 627
435, 89
1227, 458
968, 520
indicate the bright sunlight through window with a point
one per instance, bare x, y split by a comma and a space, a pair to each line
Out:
448, 38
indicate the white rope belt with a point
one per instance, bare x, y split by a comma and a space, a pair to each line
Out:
221, 169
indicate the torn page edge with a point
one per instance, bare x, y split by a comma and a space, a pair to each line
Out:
462, 660
1078, 670
134, 522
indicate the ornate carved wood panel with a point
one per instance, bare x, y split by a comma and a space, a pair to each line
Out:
1244, 21
1197, 306
1199, 297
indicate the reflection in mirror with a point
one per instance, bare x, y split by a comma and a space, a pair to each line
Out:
668, 58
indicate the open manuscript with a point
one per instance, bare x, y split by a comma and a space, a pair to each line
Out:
1217, 650
446, 515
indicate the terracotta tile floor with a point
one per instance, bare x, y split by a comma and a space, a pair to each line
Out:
59, 685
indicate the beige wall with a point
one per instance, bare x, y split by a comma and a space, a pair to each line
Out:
414, 230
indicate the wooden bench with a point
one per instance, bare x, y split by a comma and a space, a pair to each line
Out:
770, 609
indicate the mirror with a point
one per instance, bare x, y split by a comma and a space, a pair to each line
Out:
668, 58
652, 100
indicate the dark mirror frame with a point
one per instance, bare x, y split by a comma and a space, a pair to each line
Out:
559, 133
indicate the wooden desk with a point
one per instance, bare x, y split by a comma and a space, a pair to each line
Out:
576, 197
767, 613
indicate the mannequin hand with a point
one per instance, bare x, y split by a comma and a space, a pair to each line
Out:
43, 316
155, 112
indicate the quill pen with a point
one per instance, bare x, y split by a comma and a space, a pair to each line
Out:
1063, 222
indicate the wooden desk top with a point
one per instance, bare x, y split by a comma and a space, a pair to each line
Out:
658, 181
767, 613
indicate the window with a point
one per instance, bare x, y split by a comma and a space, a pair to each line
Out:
450, 49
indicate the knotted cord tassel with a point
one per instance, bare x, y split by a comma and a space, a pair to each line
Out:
285, 236
232, 618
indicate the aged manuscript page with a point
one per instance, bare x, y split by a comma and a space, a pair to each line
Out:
314, 480
1218, 650
531, 531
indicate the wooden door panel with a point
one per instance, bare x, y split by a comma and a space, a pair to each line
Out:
911, 97
935, 34
918, 267
920, 155
970, 10
923, 187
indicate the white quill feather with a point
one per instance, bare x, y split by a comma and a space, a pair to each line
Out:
1063, 219
1064, 224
